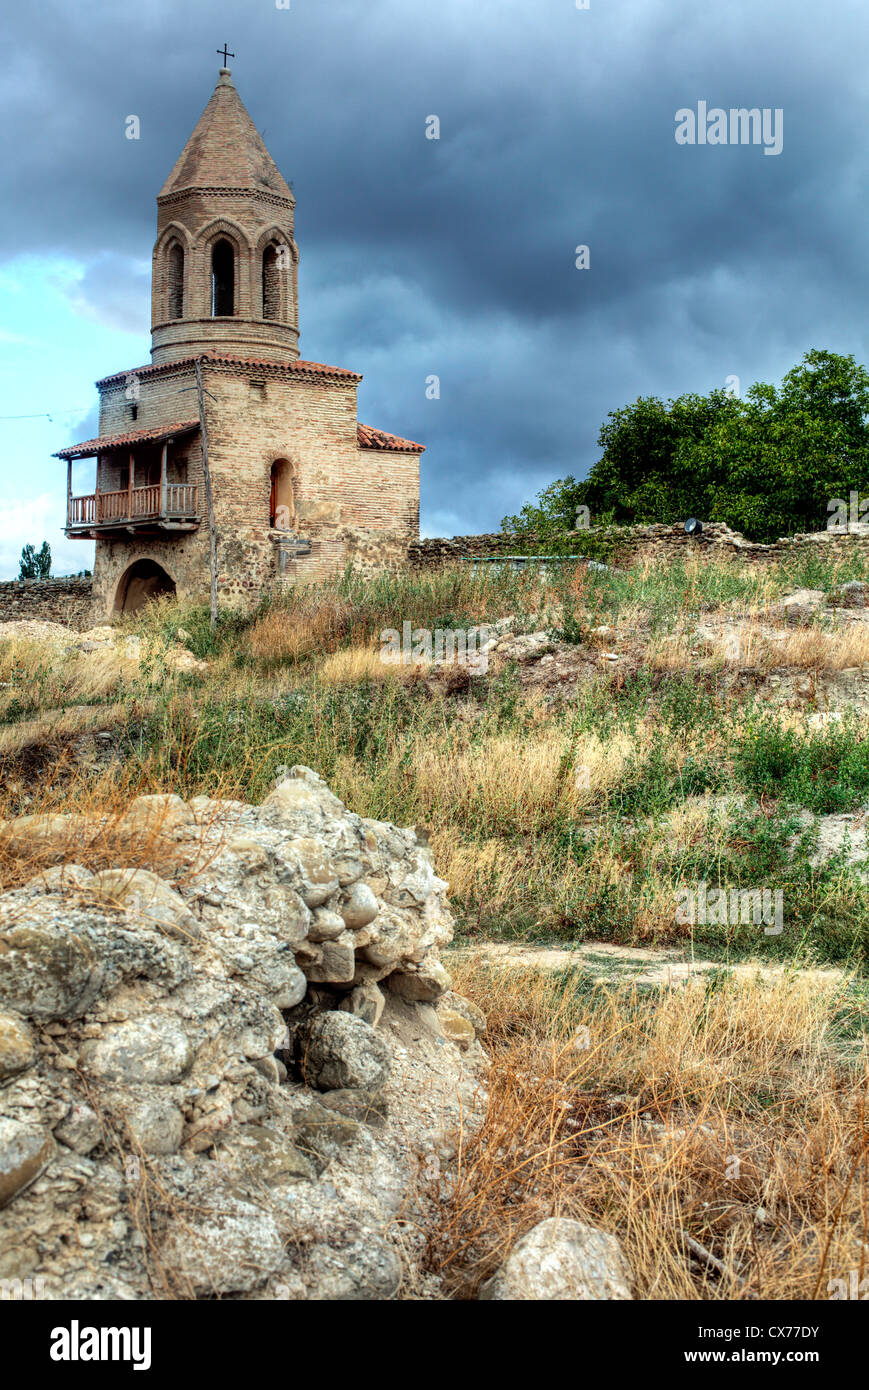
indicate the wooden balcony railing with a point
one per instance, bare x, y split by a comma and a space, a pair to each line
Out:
152, 503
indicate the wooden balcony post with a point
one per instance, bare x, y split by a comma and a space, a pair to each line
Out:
68, 491
164, 489
97, 491
130, 484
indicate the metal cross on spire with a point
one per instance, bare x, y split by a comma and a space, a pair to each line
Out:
226, 54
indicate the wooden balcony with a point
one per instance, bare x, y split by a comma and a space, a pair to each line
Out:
158, 507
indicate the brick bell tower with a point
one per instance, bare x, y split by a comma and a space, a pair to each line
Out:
225, 267
229, 466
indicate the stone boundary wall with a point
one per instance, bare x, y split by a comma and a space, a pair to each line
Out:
68, 601
717, 541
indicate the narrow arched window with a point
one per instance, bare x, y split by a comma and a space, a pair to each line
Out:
282, 506
175, 280
222, 280
272, 281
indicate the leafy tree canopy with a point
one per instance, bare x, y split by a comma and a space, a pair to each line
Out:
767, 464
35, 564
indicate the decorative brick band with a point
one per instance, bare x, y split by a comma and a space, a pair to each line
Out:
179, 194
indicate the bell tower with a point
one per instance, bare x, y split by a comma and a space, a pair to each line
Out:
225, 266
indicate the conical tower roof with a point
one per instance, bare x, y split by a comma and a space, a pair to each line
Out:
226, 150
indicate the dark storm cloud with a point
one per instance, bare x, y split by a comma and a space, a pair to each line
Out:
455, 258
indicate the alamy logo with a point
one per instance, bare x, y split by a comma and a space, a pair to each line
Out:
731, 907
22, 1290
76, 1343
853, 1288
738, 126
420, 647
845, 515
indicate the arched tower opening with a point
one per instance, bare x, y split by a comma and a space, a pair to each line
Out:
175, 282
142, 581
274, 266
222, 279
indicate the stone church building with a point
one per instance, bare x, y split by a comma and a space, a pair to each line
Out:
229, 461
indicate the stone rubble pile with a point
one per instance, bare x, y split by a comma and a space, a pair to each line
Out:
226, 1084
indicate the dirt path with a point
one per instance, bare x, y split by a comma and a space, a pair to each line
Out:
645, 965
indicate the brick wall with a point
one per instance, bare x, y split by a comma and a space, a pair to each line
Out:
67, 601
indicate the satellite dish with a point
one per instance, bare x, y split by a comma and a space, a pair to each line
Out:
693, 527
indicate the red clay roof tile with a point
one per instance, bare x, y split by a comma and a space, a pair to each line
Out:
368, 438
305, 368
103, 443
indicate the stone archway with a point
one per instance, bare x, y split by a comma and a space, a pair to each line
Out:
141, 582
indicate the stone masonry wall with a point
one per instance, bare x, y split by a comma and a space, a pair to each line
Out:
353, 504
717, 541
48, 600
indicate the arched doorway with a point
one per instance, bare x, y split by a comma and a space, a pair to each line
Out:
144, 580
282, 505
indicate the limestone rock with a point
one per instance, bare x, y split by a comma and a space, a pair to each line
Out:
17, 1045
358, 907
48, 837
261, 1155
158, 814
80, 1130
223, 1246
152, 1048
332, 962
165, 998
342, 1050
366, 1270
148, 898
562, 1259
326, 925
466, 1007
424, 983
46, 972
155, 1124
366, 1001
25, 1152
456, 1028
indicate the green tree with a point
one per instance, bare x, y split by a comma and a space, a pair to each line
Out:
767, 465
35, 564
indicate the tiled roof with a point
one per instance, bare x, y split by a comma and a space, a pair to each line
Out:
369, 438
103, 443
305, 368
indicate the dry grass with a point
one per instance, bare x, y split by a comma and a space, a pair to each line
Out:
726, 1115
81, 820
281, 638
351, 665
819, 648
38, 673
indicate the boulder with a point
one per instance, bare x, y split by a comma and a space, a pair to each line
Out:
456, 1028
25, 1151
223, 1245
152, 1048
561, 1259
366, 1001
147, 897
17, 1045
46, 971
424, 983
359, 907
341, 1050
156, 814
